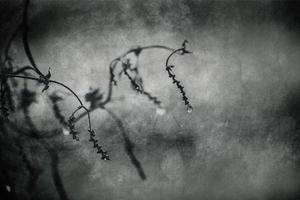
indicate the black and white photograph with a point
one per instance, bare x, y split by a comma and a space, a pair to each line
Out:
149, 100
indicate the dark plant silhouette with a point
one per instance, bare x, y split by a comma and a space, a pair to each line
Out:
171, 74
13, 93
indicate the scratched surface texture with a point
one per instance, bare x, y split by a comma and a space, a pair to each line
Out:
243, 79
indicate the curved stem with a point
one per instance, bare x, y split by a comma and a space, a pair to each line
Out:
23, 69
175, 51
13, 35
70, 90
114, 63
58, 83
25, 40
112, 67
175, 81
145, 48
75, 111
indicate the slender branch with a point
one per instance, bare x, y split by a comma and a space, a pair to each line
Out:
140, 90
26, 43
23, 69
7, 58
172, 75
152, 98
72, 119
112, 81
168, 58
58, 83
115, 62
112, 66
138, 50
129, 146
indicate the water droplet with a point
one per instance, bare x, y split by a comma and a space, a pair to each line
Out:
8, 188
189, 109
65, 131
160, 111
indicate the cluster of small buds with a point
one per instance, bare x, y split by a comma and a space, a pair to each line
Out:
74, 133
138, 87
71, 125
180, 87
171, 74
153, 99
135, 86
104, 155
183, 49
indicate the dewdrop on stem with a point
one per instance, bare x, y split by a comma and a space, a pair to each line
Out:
8, 188
189, 109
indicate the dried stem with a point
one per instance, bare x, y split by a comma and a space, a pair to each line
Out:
172, 75
117, 60
26, 43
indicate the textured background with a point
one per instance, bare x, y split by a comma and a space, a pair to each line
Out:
243, 79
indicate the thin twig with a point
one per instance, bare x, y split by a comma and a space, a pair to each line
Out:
25, 40
58, 83
172, 75
117, 60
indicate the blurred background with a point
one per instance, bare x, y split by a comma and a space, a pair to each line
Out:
243, 79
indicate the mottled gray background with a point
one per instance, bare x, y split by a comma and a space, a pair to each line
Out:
243, 79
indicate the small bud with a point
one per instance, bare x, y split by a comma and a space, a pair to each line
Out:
95, 143
99, 149
105, 157
91, 138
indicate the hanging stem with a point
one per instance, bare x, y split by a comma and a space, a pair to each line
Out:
26, 43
